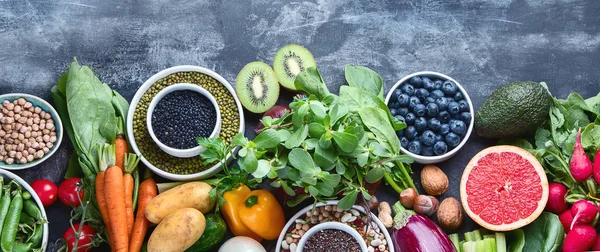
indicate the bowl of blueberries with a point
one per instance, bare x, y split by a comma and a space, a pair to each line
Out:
438, 114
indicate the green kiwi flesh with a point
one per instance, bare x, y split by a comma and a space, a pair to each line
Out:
256, 86
289, 61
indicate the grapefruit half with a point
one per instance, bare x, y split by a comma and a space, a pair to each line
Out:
504, 188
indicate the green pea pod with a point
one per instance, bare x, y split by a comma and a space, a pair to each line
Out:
4, 205
26, 219
32, 209
36, 238
22, 247
26, 195
11, 222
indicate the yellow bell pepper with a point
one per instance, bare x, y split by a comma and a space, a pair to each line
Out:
234, 200
262, 214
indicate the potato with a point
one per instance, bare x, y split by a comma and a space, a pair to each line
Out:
192, 194
178, 231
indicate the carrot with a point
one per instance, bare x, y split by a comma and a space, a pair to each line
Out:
131, 163
114, 194
147, 191
100, 190
121, 148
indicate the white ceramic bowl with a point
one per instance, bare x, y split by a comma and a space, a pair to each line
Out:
331, 225
292, 221
436, 159
45, 106
182, 153
136, 99
8, 176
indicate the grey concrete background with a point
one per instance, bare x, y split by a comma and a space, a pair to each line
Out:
482, 44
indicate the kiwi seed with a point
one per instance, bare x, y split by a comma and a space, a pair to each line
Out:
289, 61
256, 86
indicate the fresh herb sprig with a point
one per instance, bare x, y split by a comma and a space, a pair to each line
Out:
327, 144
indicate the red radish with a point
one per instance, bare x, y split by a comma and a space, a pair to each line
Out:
583, 211
596, 246
276, 111
556, 198
566, 219
581, 238
597, 167
581, 166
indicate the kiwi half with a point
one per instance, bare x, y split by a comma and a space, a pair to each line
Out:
256, 86
289, 61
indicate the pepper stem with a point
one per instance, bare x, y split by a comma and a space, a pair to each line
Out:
251, 201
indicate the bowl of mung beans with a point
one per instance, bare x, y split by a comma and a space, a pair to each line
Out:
161, 162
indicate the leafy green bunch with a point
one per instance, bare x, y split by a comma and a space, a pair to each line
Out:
328, 144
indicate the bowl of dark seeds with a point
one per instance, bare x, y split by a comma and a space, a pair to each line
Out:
178, 115
331, 236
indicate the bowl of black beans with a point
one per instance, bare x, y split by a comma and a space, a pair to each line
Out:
178, 115
438, 114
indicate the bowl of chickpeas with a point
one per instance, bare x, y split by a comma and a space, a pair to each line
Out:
30, 131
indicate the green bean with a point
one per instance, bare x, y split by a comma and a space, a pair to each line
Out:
22, 247
32, 209
11, 222
4, 205
36, 237
26, 195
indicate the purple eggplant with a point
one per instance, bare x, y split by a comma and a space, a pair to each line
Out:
416, 233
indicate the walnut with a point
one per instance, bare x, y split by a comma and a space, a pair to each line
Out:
434, 180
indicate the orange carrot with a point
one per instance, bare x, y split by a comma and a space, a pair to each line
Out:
147, 191
120, 151
128, 182
102, 206
115, 198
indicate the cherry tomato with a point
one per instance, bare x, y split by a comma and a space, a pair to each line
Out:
67, 192
85, 238
46, 190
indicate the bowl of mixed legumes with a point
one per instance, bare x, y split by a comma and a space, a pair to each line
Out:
30, 131
161, 162
374, 235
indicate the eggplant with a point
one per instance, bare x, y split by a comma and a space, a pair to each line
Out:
415, 233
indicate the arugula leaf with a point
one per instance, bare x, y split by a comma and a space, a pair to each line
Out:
311, 82
365, 79
267, 139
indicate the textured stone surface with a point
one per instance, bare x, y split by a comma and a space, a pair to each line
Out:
482, 44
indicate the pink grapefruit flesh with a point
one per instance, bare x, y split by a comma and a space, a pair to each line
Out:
503, 188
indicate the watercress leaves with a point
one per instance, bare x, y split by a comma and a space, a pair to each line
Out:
365, 79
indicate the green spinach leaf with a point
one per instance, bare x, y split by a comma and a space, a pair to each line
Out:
365, 79
545, 234
515, 240
311, 82
376, 121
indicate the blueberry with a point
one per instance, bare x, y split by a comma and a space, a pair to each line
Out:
407, 89
434, 124
400, 133
393, 111
395, 95
414, 147
463, 105
421, 124
393, 105
432, 110
420, 110
404, 142
459, 96
422, 93
427, 138
442, 103
440, 148
444, 116
438, 84
400, 118
449, 88
410, 118
439, 137
413, 101
410, 132
416, 81
453, 108
436, 94
465, 117
402, 111
428, 84
403, 100
427, 151
444, 129
452, 139
429, 100
458, 127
